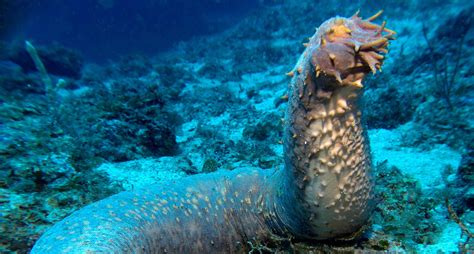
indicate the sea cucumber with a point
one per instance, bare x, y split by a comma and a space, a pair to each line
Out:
324, 190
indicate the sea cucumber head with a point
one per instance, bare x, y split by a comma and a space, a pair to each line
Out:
346, 49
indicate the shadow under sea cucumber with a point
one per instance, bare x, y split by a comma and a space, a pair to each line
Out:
324, 191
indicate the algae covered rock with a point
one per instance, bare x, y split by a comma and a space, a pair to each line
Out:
387, 107
57, 59
466, 174
269, 126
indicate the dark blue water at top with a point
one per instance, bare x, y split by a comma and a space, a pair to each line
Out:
102, 29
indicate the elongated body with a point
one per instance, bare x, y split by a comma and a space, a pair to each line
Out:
324, 190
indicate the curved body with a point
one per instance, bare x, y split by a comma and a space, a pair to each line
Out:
323, 192
215, 213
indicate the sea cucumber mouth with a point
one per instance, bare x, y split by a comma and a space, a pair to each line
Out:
346, 49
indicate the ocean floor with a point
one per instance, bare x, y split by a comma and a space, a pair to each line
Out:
426, 166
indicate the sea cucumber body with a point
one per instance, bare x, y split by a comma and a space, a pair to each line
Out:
323, 192
212, 213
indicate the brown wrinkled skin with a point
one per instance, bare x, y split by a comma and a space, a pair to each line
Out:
326, 148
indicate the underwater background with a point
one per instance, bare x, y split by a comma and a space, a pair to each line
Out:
143, 92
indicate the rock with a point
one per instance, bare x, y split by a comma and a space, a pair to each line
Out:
269, 126
387, 108
466, 174
469, 197
134, 66
210, 165
9, 68
12, 78
144, 172
57, 60
466, 168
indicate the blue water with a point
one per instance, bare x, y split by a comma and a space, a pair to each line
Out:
140, 92
110, 28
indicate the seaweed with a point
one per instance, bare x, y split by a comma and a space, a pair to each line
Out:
467, 237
